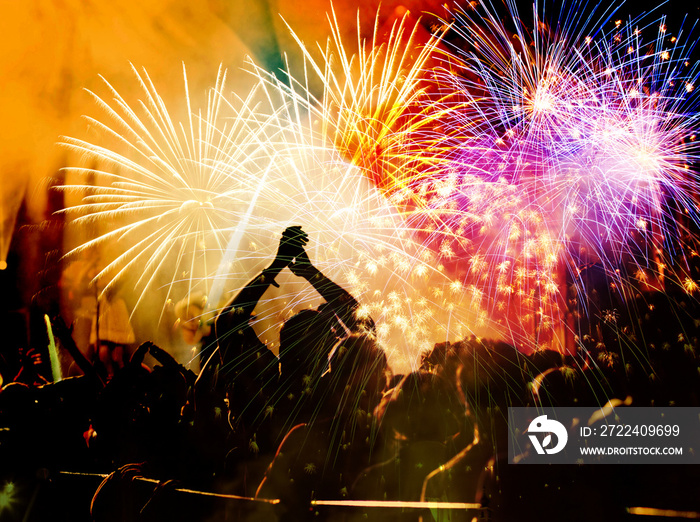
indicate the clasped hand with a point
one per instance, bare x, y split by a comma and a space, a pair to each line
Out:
291, 253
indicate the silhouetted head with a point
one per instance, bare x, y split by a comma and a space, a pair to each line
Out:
424, 406
359, 372
305, 342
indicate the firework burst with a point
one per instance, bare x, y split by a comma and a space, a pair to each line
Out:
177, 208
378, 111
565, 146
376, 104
454, 183
165, 192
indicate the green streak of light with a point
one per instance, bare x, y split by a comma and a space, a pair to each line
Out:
53, 352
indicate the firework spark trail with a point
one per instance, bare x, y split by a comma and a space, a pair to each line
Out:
446, 200
357, 238
568, 145
386, 124
167, 196
492, 172
169, 189
375, 102
233, 246
392, 139
377, 112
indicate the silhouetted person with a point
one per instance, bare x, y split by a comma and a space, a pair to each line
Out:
321, 459
268, 395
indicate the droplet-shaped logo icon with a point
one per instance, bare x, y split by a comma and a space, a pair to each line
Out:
542, 424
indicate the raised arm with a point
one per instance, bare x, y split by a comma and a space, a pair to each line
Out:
234, 317
340, 301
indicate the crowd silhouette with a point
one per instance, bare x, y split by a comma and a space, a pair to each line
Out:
262, 436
